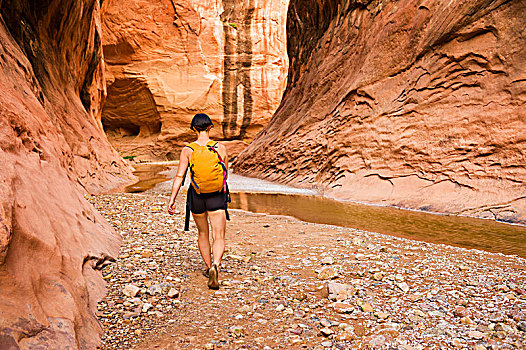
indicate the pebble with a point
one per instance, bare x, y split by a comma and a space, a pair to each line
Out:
131, 290
297, 331
366, 307
129, 314
475, 335
328, 273
403, 287
325, 322
466, 320
381, 315
436, 313
173, 293
340, 291
343, 308
346, 335
345, 326
326, 331
457, 343
237, 331
245, 309
154, 289
146, 307
461, 311
327, 260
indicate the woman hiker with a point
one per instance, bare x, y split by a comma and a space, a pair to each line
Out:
207, 161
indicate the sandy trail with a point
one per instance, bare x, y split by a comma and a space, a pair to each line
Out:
400, 294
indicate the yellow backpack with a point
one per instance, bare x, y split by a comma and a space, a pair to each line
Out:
207, 169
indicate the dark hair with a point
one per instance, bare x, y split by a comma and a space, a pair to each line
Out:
200, 122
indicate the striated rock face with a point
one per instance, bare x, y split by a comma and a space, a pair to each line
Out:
167, 60
52, 149
419, 104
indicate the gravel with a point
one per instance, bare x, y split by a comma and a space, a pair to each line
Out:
385, 292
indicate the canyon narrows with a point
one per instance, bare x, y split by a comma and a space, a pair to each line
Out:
167, 60
53, 150
418, 104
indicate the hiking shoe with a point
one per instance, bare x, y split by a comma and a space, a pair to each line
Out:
206, 273
213, 279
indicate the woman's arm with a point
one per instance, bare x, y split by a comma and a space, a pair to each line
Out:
179, 176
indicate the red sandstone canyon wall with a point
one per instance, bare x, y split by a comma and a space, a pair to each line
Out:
419, 104
52, 151
168, 60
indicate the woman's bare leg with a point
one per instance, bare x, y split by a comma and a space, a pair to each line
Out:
203, 240
218, 223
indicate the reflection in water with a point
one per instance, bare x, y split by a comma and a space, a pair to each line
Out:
453, 230
148, 175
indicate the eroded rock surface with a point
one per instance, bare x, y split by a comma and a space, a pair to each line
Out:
167, 60
52, 149
419, 104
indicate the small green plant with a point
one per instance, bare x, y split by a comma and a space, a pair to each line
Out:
129, 157
233, 25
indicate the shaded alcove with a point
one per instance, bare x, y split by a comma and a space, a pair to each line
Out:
130, 110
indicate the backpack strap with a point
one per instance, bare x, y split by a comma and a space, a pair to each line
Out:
192, 146
188, 195
212, 147
227, 200
187, 211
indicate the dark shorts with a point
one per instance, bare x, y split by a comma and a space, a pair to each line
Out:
199, 203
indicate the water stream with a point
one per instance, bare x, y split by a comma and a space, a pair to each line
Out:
453, 230
264, 197
149, 176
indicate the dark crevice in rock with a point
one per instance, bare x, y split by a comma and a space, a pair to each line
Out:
98, 262
21, 19
93, 65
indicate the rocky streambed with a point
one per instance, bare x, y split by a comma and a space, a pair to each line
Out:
289, 284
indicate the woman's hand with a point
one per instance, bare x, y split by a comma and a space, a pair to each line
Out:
171, 207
